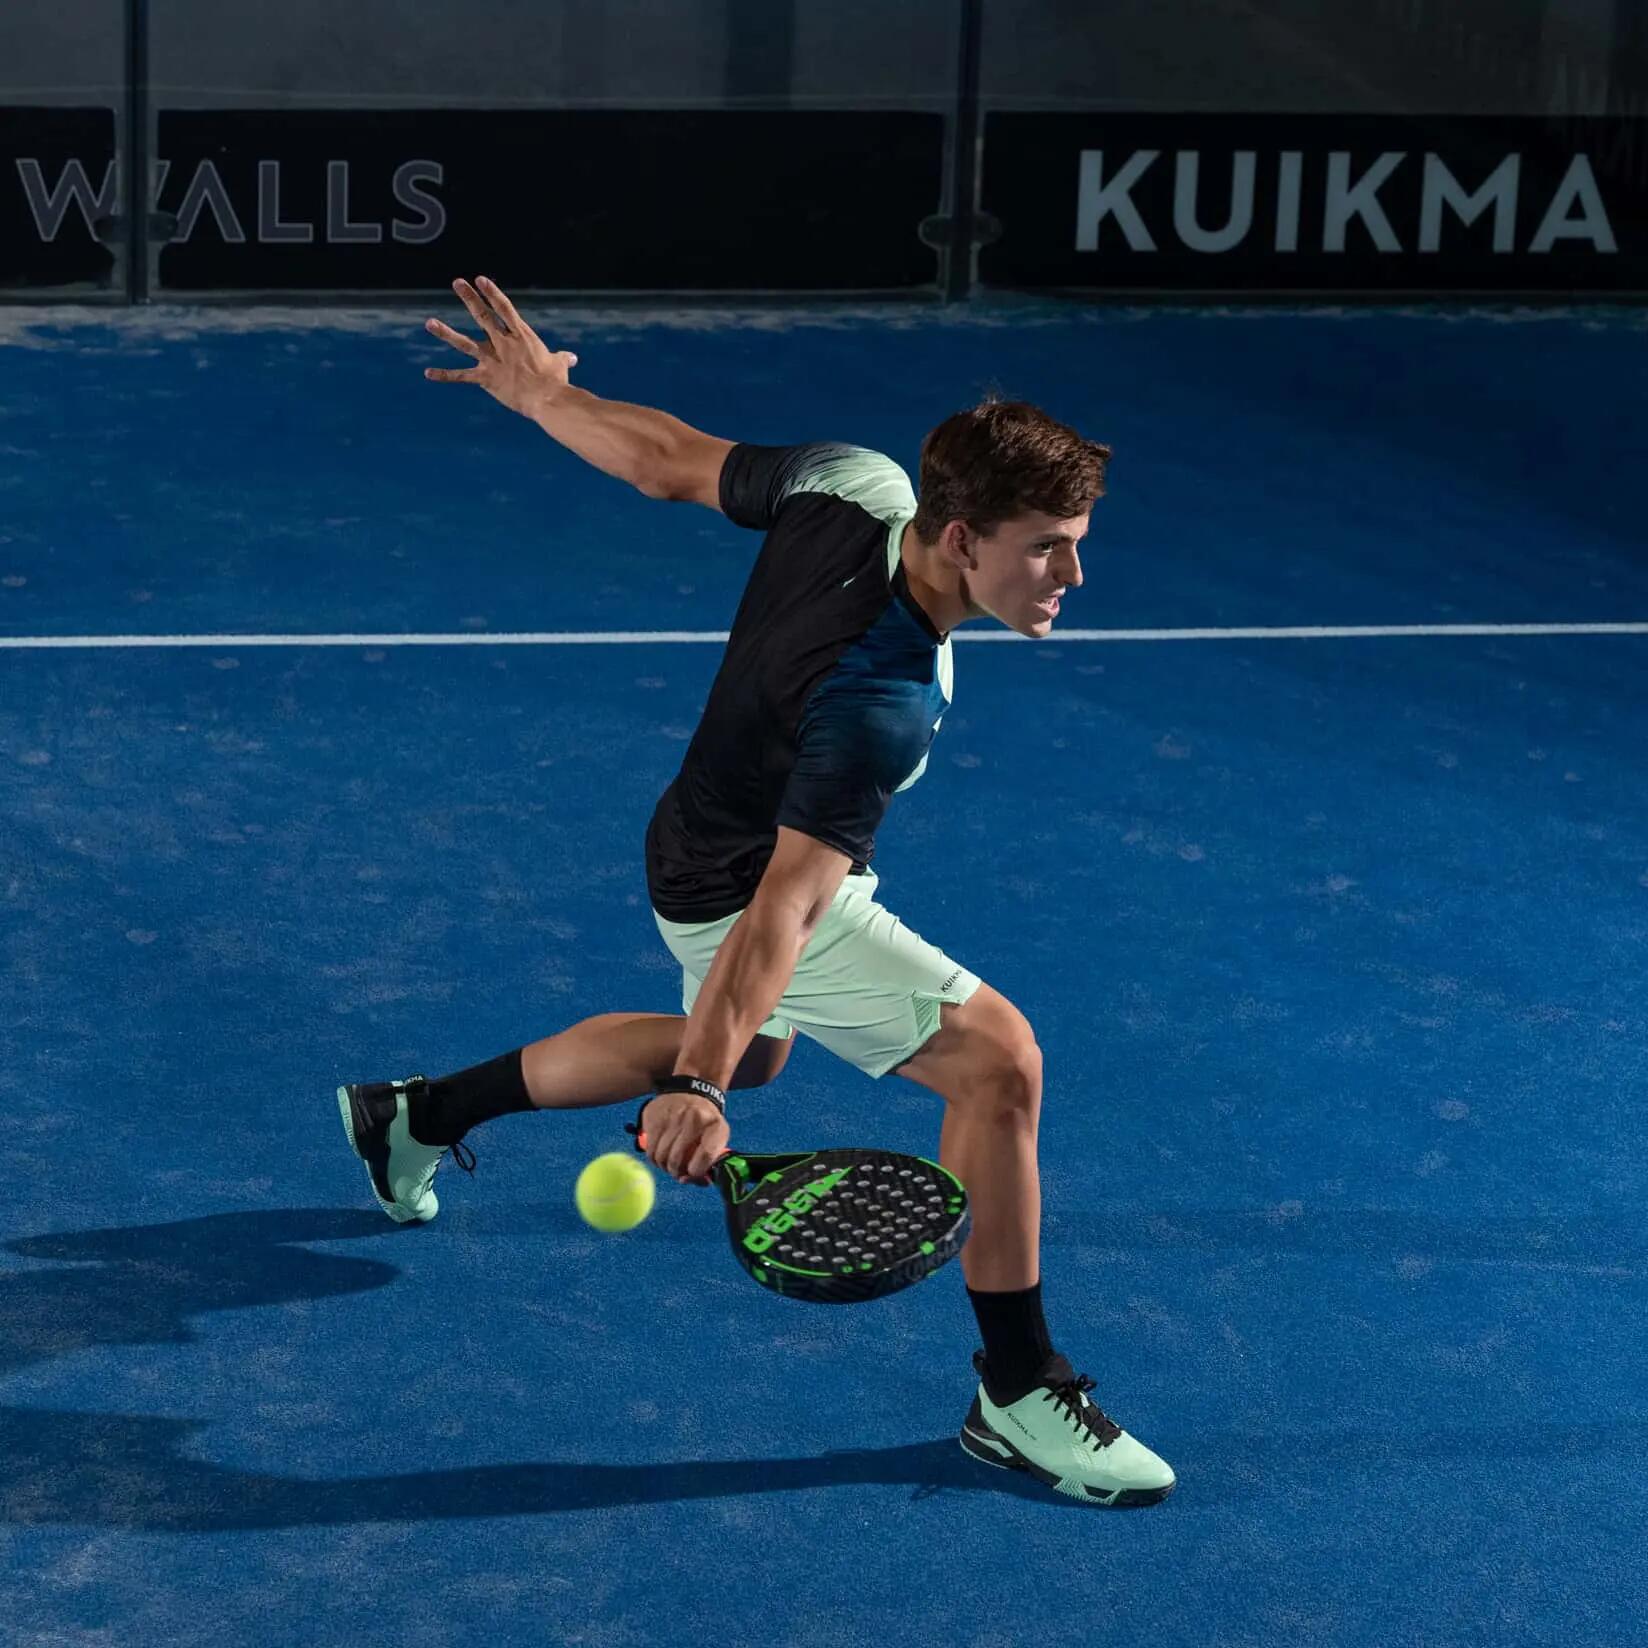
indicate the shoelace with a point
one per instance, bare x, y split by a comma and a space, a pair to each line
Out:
1087, 1416
459, 1152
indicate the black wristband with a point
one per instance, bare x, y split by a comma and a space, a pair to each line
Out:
676, 1084
693, 1084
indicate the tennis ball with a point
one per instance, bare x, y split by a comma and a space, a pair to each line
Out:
615, 1191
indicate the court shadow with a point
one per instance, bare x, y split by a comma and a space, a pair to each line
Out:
140, 1285
138, 1472
135, 1472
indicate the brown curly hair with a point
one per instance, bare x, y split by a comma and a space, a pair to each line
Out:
1004, 458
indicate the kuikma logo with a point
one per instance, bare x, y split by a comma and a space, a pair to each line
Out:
1312, 209
52, 201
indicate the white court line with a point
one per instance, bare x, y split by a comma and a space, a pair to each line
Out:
672, 637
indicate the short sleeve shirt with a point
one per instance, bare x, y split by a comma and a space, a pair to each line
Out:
832, 686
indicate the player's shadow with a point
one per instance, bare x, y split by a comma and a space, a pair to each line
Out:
135, 1472
142, 1285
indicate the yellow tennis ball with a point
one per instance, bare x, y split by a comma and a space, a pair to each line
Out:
615, 1191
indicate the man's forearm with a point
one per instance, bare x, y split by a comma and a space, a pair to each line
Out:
632, 443
751, 971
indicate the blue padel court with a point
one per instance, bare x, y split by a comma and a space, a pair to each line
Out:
333, 705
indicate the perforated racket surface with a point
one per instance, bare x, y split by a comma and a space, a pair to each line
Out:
836, 1227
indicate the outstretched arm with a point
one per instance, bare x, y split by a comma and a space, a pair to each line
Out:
659, 454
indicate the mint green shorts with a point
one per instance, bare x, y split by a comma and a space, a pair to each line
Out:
866, 987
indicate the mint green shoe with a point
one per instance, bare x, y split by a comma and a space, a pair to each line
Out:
401, 1171
1064, 1440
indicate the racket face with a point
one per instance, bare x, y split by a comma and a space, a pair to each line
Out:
841, 1226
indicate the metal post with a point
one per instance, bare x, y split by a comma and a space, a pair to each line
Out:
964, 175
137, 150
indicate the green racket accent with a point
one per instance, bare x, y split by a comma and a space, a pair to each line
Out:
841, 1226
799, 1202
741, 1181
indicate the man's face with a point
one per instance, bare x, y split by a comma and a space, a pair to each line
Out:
1023, 567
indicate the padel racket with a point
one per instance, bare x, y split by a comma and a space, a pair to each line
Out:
836, 1227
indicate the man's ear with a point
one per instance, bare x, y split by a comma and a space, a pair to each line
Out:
958, 546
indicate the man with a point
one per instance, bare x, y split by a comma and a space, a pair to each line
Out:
836, 676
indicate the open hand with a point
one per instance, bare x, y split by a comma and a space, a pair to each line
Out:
513, 365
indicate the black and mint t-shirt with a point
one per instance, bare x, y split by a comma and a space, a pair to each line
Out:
833, 683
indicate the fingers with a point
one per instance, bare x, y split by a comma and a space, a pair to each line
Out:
710, 1145
662, 1145
495, 295
457, 339
438, 374
674, 1151
675, 1163
491, 324
699, 1168
686, 1154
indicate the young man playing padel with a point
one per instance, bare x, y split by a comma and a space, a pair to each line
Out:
835, 679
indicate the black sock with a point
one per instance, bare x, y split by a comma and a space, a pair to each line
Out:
1016, 1346
448, 1108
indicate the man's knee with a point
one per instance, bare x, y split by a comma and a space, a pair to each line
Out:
999, 1061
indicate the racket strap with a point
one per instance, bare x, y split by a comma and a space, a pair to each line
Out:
676, 1084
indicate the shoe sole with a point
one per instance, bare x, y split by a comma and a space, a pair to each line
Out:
346, 1109
980, 1442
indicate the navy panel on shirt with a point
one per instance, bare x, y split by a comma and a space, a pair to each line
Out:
829, 691
864, 734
